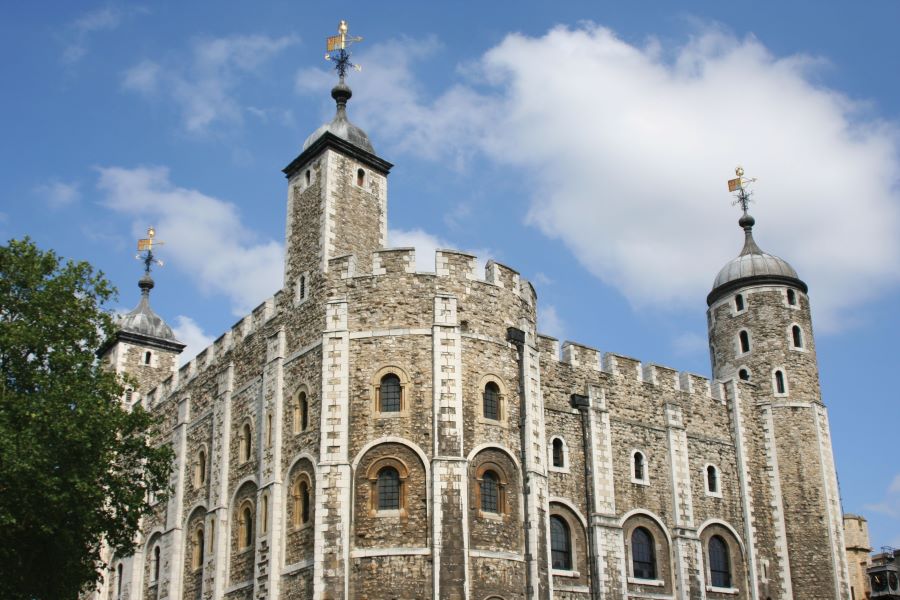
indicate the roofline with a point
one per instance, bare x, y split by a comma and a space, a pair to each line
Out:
142, 340
328, 139
735, 284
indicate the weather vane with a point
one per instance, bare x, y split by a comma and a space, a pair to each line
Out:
336, 50
740, 184
146, 246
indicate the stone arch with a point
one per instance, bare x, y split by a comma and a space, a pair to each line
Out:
153, 569
662, 552
499, 530
299, 410
195, 552
579, 567
375, 390
242, 556
558, 440
503, 408
299, 534
738, 576
405, 527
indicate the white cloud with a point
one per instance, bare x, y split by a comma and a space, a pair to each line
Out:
188, 332
204, 235
426, 244
550, 323
204, 87
628, 149
688, 343
81, 30
58, 194
890, 505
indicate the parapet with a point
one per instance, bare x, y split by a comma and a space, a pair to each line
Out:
579, 355
548, 345
394, 260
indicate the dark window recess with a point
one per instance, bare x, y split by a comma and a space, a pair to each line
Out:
558, 456
360, 177
560, 544
712, 479
304, 411
304, 503
779, 382
388, 489
792, 297
745, 341
797, 336
643, 556
744, 374
491, 401
389, 393
638, 466
490, 492
719, 565
739, 302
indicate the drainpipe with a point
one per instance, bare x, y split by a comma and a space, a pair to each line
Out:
583, 404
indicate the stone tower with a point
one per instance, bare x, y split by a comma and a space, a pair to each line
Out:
144, 346
762, 347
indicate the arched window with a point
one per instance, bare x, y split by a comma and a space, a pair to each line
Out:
245, 530
779, 382
147, 356
200, 472
560, 543
246, 439
559, 459
388, 488
302, 290
712, 479
490, 492
744, 374
739, 302
491, 401
744, 338
719, 565
154, 570
197, 556
792, 297
643, 555
390, 393
308, 176
304, 502
265, 514
797, 336
639, 470
302, 415
269, 430
119, 581
360, 177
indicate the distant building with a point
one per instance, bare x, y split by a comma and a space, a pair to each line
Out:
856, 537
374, 432
884, 574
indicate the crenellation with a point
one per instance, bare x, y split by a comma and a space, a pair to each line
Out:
548, 346
394, 260
579, 355
455, 264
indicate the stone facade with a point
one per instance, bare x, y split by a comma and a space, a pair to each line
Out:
859, 548
375, 432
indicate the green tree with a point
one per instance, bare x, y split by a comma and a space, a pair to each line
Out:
75, 465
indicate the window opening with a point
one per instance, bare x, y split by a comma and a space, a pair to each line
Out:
303, 287
304, 502
308, 177
744, 374
779, 382
490, 492
643, 560
719, 565
147, 356
246, 527
797, 336
560, 544
119, 581
792, 297
265, 515
491, 401
745, 341
245, 442
304, 408
360, 177
389, 393
201, 468
269, 430
198, 548
639, 466
712, 479
156, 563
558, 456
388, 489
739, 302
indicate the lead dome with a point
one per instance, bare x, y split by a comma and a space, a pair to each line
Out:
143, 320
340, 125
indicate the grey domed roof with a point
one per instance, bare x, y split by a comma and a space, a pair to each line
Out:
340, 125
752, 265
142, 320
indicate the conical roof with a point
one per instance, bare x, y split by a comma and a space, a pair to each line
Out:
143, 320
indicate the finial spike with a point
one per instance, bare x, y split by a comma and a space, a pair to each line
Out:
740, 184
336, 49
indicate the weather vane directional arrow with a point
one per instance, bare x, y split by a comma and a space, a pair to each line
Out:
145, 245
741, 184
336, 50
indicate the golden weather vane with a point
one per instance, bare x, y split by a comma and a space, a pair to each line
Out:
336, 49
741, 184
145, 245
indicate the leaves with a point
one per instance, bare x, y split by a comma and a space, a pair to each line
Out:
75, 465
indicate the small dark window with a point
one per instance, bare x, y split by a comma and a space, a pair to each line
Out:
129, 394
491, 401
303, 287
797, 336
308, 176
388, 489
560, 544
490, 492
246, 442
643, 556
639, 466
792, 297
559, 459
201, 468
389, 393
712, 479
156, 563
304, 502
719, 565
247, 517
119, 581
147, 356
779, 382
739, 302
744, 374
360, 177
304, 411
745, 341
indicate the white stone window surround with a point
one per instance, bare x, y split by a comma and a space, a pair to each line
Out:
735, 311
721, 590
307, 176
502, 421
646, 470
565, 455
301, 288
796, 305
245, 446
653, 582
718, 492
202, 456
749, 373
739, 351
790, 335
562, 573
405, 390
787, 390
296, 418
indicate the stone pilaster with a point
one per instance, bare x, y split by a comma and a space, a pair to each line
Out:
218, 484
175, 508
688, 551
783, 568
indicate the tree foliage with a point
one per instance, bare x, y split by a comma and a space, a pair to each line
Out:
75, 465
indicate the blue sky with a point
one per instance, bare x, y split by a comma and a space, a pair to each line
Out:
586, 144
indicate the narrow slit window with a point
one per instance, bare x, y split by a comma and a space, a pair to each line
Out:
797, 336
739, 302
147, 356
302, 291
304, 411
559, 459
712, 479
156, 557
308, 176
304, 502
245, 442
779, 382
744, 338
491, 401
360, 177
246, 529
792, 297
639, 467
119, 581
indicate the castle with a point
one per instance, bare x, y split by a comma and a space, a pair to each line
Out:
374, 432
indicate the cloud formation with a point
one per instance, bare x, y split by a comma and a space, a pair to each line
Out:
188, 332
204, 87
204, 235
84, 27
628, 148
426, 244
58, 194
